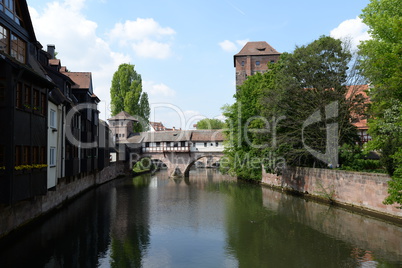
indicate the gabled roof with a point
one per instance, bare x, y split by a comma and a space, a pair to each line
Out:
122, 116
82, 80
158, 126
54, 62
257, 48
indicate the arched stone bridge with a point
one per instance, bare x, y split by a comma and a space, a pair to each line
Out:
179, 150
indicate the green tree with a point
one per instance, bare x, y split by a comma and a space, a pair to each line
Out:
267, 122
126, 95
207, 123
382, 65
310, 82
243, 150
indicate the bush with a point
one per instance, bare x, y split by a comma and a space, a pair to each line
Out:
353, 158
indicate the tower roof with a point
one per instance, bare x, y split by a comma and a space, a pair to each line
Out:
257, 48
123, 116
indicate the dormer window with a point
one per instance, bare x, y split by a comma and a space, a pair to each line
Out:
261, 49
12, 45
12, 9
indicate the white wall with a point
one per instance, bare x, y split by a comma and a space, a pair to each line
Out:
210, 147
52, 145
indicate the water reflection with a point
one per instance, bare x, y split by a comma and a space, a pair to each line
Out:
207, 220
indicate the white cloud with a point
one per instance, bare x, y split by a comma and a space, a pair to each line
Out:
147, 38
152, 49
79, 47
157, 90
243, 42
354, 30
232, 47
228, 46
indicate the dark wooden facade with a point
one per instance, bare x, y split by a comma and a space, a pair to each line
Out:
23, 107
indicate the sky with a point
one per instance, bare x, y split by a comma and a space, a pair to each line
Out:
183, 49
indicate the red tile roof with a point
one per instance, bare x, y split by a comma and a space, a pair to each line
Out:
82, 80
54, 62
257, 48
356, 90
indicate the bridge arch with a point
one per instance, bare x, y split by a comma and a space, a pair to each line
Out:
209, 156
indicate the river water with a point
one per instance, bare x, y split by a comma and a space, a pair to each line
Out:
208, 220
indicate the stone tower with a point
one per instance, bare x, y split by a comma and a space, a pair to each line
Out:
252, 58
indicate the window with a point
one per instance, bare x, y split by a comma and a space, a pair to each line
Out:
182, 144
3, 39
242, 63
272, 61
68, 152
257, 63
26, 159
12, 44
147, 144
52, 118
35, 155
43, 104
52, 156
17, 155
27, 97
217, 144
18, 48
12, 9
158, 144
42, 155
36, 97
205, 144
18, 98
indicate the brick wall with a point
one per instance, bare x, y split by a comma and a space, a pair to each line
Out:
366, 191
23, 212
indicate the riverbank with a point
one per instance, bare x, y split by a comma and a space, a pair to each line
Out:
24, 212
358, 191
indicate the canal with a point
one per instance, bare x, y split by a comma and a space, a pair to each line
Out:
208, 220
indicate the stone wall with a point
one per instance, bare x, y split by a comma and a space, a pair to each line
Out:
23, 212
375, 236
365, 191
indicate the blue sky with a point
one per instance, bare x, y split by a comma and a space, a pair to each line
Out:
183, 49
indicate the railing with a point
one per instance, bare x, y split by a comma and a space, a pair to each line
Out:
165, 149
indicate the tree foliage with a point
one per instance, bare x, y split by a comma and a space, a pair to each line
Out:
126, 95
208, 123
312, 85
382, 65
268, 124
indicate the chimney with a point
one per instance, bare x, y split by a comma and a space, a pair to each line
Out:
50, 50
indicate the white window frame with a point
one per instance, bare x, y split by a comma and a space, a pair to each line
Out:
52, 157
52, 118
